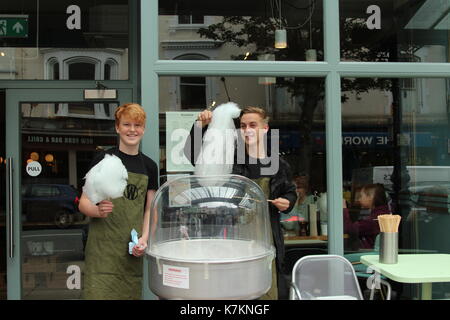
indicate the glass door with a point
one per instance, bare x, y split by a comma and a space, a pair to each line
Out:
51, 139
3, 244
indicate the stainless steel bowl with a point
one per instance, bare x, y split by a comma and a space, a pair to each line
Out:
206, 269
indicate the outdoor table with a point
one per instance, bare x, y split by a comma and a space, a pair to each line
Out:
414, 268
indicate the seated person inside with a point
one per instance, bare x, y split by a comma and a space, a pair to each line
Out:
290, 222
372, 197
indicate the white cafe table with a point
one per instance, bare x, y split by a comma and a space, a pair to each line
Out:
414, 268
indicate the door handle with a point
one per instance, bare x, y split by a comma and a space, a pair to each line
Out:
9, 182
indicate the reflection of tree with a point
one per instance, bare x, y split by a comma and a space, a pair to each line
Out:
255, 35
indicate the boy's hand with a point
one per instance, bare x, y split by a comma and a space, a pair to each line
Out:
204, 118
281, 203
105, 207
139, 249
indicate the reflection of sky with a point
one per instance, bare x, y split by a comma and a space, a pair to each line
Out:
217, 204
231, 194
212, 192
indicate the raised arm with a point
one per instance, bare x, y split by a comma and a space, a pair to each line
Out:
193, 142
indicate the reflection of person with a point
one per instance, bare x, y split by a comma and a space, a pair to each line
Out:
373, 197
303, 199
111, 272
277, 186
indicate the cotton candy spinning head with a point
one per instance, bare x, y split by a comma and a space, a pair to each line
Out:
106, 180
217, 154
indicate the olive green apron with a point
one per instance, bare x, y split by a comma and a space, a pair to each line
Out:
272, 294
111, 272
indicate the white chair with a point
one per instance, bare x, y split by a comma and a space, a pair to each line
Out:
324, 277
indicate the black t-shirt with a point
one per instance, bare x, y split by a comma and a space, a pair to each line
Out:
140, 164
254, 167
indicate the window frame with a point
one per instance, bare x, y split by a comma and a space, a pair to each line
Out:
332, 69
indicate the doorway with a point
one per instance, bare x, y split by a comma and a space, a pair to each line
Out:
3, 244
51, 138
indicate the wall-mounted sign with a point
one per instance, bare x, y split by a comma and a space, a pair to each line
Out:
100, 94
66, 24
13, 26
178, 126
58, 139
34, 168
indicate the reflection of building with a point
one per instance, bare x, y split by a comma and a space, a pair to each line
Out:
47, 131
64, 64
179, 40
81, 64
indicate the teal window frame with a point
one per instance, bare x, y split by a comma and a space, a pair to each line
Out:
332, 69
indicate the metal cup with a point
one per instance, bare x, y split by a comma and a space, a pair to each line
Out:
389, 247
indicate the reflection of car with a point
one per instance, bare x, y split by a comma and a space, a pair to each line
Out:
428, 186
56, 203
434, 197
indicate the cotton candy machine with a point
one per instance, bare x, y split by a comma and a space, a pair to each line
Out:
210, 238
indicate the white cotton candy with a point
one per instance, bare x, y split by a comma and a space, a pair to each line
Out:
106, 180
217, 153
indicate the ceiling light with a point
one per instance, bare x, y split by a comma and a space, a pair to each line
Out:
280, 39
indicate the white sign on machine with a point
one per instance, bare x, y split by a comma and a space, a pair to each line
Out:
174, 276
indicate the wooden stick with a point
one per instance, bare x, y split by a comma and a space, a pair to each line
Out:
248, 198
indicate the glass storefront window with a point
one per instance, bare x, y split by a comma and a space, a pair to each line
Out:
394, 131
297, 119
64, 40
239, 30
395, 30
396, 135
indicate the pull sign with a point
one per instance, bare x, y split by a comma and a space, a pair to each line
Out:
34, 169
74, 20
